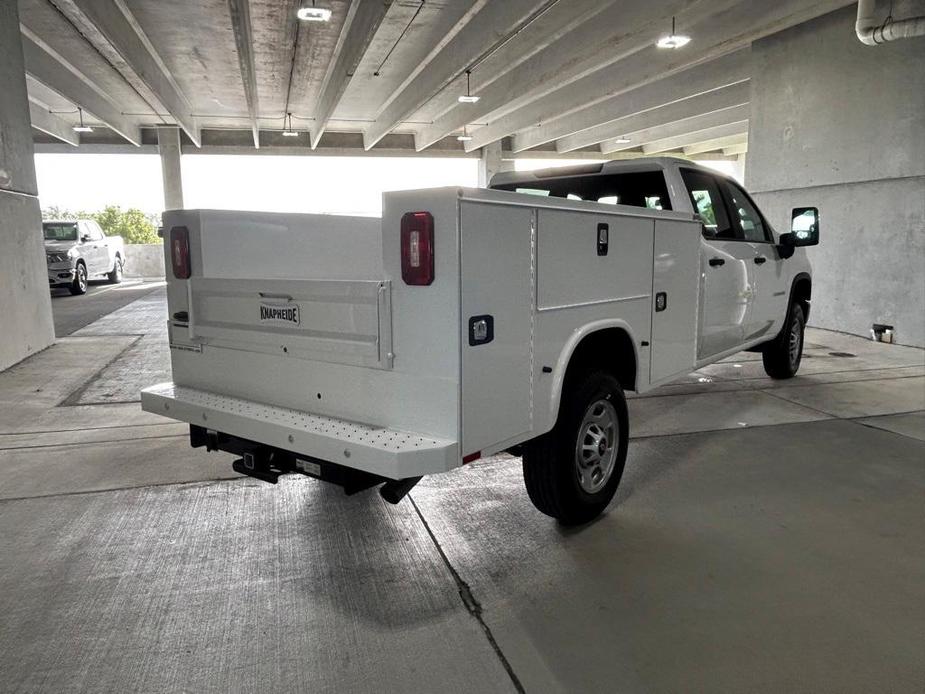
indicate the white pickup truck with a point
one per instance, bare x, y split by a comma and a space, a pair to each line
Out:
467, 322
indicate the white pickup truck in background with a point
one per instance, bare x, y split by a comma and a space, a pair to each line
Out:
467, 322
78, 250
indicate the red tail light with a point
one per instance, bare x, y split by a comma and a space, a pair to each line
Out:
179, 252
417, 248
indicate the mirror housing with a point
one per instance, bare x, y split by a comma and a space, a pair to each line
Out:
84, 238
804, 231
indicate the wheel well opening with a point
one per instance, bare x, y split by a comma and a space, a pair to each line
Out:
610, 350
802, 292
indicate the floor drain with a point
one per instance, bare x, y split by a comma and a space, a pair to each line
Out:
842, 354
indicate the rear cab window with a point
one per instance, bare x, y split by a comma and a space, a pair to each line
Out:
634, 188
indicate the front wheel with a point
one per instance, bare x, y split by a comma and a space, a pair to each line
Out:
115, 277
572, 472
783, 356
79, 285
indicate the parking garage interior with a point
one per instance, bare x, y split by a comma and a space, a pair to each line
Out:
767, 535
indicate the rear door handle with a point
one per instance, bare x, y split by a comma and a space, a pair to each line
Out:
760, 260
716, 262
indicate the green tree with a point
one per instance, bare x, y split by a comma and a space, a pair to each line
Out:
132, 224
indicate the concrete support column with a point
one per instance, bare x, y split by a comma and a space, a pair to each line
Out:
738, 168
490, 163
26, 324
168, 145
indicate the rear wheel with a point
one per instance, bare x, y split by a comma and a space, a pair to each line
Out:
115, 277
79, 285
572, 472
783, 356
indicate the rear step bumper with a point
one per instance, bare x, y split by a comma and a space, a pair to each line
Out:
385, 452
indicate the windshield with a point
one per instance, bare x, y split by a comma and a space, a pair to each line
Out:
64, 231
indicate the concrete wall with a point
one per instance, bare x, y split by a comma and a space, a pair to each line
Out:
144, 260
25, 305
841, 125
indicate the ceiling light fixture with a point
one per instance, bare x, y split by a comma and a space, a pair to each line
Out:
673, 40
465, 137
467, 98
623, 140
287, 127
313, 13
82, 128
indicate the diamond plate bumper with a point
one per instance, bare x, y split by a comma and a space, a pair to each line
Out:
386, 452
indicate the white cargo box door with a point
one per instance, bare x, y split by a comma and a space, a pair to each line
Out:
675, 300
497, 297
340, 321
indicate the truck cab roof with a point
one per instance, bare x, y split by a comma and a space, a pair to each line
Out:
505, 179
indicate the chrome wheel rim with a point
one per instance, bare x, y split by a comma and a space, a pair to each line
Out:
596, 448
796, 342
81, 277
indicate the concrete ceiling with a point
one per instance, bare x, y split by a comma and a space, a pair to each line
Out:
562, 77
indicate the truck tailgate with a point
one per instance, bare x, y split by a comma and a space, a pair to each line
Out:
339, 321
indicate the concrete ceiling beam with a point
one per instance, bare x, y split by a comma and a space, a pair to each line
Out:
728, 70
671, 119
691, 139
615, 31
478, 31
719, 143
716, 32
112, 29
42, 119
559, 20
244, 42
363, 20
736, 150
49, 68
705, 121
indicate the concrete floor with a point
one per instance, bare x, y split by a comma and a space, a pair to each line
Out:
767, 537
74, 312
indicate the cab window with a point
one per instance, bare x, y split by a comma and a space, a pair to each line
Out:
707, 201
96, 234
637, 188
744, 214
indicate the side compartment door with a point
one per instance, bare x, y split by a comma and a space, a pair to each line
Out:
727, 269
496, 328
675, 293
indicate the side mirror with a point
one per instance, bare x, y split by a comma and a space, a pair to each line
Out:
804, 231
85, 238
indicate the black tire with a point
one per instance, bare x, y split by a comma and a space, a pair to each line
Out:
556, 480
115, 277
783, 356
79, 285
